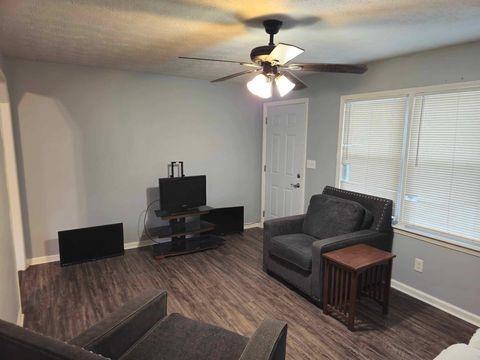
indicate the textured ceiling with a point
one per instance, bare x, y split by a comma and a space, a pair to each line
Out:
149, 35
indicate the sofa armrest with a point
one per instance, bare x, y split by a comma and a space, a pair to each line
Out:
115, 334
268, 342
370, 237
283, 226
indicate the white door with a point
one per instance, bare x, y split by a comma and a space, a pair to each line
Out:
285, 152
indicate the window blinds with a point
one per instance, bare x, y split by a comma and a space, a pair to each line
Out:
442, 187
372, 146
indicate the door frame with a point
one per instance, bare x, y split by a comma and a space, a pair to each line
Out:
266, 105
11, 174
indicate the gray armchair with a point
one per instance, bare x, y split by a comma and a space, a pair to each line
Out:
141, 330
293, 246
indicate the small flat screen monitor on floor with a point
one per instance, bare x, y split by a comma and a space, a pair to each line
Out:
182, 193
92, 243
227, 220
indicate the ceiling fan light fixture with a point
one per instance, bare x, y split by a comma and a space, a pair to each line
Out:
261, 85
284, 85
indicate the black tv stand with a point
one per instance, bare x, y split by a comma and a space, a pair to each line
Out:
178, 230
166, 215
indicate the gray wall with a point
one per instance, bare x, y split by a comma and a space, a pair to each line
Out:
93, 143
448, 274
9, 291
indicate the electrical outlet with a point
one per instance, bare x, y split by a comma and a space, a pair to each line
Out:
418, 266
311, 164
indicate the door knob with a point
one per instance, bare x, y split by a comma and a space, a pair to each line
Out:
296, 186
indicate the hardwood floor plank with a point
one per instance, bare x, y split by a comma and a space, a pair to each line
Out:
227, 287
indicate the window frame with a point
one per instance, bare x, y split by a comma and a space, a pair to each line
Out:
450, 241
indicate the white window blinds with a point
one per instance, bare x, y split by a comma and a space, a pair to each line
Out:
442, 187
372, 146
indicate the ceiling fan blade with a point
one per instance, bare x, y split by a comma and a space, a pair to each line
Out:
218, 60
338, 68
233, 75
299, 84
283, 53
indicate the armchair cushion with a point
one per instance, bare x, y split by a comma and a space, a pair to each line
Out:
176, 337
367, 220
329, 216
295, 249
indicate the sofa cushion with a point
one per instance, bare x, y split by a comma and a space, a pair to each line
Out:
295, 249
176, 337
329, 216
459, 351
475, 340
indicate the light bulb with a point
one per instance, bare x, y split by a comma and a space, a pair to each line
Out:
260, 85
284, 85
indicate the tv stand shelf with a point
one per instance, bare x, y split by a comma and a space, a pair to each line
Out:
165, 215
179, 228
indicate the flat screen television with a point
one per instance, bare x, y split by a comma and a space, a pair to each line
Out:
182, 193
227, 220
92, 243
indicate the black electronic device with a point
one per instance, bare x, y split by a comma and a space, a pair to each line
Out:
179, 194
227, 220
91, 243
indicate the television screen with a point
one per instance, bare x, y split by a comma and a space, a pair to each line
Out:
90, 243
182, 193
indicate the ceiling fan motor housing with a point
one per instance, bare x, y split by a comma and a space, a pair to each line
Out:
260, 53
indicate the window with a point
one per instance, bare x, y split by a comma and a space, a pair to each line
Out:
420, 148
372, 146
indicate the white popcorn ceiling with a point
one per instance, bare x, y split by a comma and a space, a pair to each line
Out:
149, 35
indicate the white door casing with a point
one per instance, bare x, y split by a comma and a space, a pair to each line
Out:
284, 158
16, 221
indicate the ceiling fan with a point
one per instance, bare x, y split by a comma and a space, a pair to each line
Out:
272, 63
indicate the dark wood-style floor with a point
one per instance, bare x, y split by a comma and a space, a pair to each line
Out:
227, 287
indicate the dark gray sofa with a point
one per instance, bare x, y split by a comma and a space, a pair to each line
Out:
293, 246
141, 330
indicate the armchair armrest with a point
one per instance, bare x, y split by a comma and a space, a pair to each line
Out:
338, 242
268, 342
112, 336
283, 226
319, 247
280, 226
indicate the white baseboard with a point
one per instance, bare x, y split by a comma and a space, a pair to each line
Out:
137, 244
127, 246
43, 259
252, 225
20, 318
436, 302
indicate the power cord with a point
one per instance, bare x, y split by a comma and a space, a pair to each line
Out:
145, 229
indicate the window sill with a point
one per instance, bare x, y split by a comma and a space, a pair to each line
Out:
452, 245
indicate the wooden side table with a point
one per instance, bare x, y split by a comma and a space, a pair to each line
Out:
358, 270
